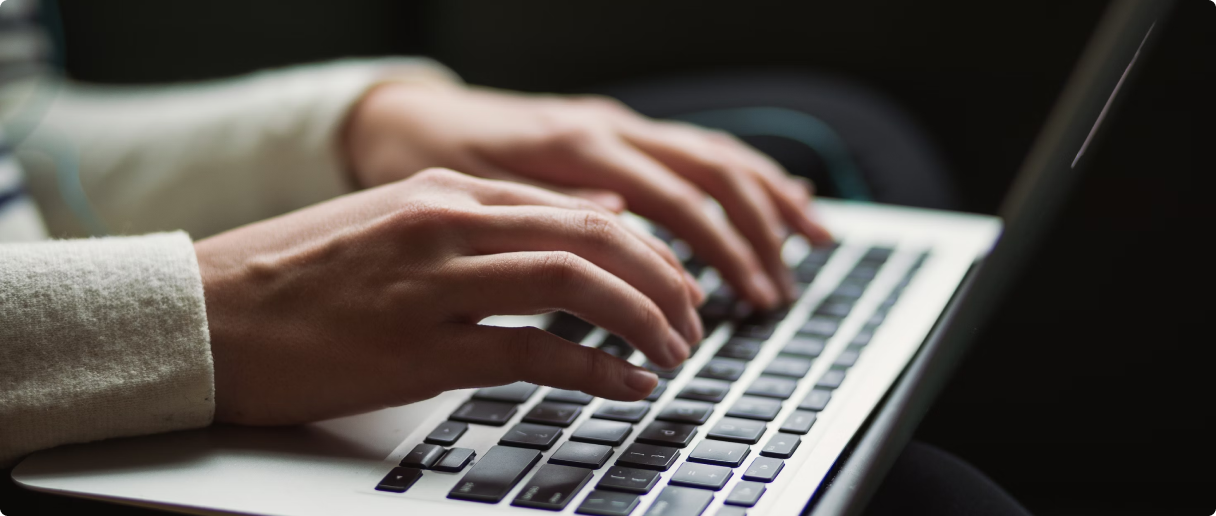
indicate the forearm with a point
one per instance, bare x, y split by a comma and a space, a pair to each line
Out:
205, 157
101, 338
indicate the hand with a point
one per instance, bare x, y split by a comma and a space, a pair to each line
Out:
373, 299
598, 149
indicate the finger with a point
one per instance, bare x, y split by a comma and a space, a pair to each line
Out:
740, 192
792, 194
525, 283
504, 193
495, 356
655, 192
599, 238
606, 199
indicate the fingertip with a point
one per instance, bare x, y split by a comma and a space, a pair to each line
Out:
677, 348
694, 289
766, 291
641, 381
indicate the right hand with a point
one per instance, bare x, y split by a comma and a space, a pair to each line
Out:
373, 299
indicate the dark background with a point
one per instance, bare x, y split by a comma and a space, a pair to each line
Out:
1092, 391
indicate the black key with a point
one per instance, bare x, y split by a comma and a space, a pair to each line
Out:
729, 510
492, 477
763, 469
703, 476
608, 503
616, 347
399, 480
850, 288
846, 358
804, 345
830, 379
758, 330
581, 455
570, 327
742, 349
447, 433
772, 387
821, 253
794, 367
835, 307
659, 389
627, 411
648, 456
599, 431
718, 368
751, 407
556, 414
705, 389
491, 413
799, 422
720, 453
664, 433
863, 272
552, 487
863, 337
666, 374
878, 254
454, 460
738, 430
745, 494
821, 325
806, 274
683, 411
781, 446
680, 501
565, 396
517, 393
630, 480
423, 456
815, 400
528, 435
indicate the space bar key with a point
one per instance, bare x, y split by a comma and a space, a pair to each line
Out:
495, 474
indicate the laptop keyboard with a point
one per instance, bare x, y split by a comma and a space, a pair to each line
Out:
661, 432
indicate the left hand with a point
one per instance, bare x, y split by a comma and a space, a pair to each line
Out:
598, 149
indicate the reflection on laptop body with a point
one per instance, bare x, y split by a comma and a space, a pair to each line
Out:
775, 413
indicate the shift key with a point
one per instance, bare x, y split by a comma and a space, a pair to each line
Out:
492, 477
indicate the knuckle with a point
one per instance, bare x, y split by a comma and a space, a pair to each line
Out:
601, 103
439, 175
597, 227
527, 348
596, 366
569, 136
560, 269
431, 218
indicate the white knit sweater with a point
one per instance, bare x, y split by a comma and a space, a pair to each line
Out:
107, 337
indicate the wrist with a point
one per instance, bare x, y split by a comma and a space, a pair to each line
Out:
374, 137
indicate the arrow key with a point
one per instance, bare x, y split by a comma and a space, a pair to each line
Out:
745, 494
763, 469
399, 479
608, 503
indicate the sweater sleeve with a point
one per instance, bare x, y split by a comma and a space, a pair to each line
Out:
101, 338
203, 157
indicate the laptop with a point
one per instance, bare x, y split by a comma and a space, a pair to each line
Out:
796, 411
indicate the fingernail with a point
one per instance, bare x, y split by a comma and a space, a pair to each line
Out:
767, 290
787, 285
699, 295
641, 380
677, 347
693, 331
